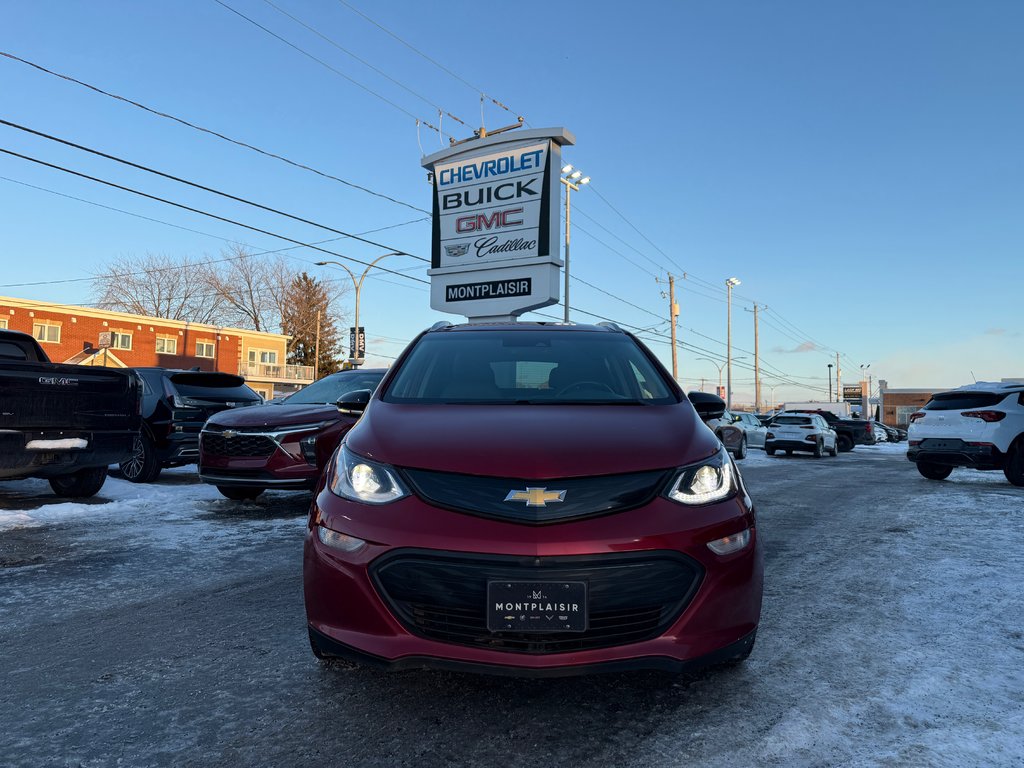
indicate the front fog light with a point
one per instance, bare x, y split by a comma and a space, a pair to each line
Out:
729, 544
339, 541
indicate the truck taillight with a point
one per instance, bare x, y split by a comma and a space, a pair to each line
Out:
985, 415
915, 416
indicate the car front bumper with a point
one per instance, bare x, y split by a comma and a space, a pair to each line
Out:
355, 613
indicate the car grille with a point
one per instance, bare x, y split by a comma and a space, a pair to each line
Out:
583, 497
630, 597
253, 446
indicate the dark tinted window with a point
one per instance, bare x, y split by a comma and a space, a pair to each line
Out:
11, 351
212, 386
792, 420
330, 388
956, 401
534, 366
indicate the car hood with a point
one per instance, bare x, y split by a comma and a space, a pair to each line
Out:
539, 441
283, 415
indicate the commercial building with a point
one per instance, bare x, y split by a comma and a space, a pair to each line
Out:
72, 334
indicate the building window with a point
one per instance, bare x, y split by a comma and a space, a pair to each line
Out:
46, 332
267, 357
3, 322
903, 414
120, 340
204, 349
165, 346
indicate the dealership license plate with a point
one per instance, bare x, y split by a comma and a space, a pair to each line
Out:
942, 445
536, 606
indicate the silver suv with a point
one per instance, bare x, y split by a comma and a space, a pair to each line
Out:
979, 426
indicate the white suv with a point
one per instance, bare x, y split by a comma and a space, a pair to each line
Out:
980, 426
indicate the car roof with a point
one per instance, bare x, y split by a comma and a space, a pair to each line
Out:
995, 387
556, 327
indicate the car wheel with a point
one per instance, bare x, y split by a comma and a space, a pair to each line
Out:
80, 485
845, 443
934, 471
142, 466
819, 449
789, 452
770, 451
741, 452
1014, 469
835, 448
236, 493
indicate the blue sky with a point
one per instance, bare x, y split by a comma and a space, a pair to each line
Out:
857, 166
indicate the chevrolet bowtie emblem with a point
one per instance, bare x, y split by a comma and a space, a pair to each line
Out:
536, 497
229, 433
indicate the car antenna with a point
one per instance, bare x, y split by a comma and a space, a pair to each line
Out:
974, 377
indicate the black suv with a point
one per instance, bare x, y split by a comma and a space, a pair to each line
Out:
175, 405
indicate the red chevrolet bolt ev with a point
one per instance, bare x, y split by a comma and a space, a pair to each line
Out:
534, 500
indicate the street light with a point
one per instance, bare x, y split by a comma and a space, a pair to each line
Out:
866, 404
358, 285
731, 283
719, 367
573, 180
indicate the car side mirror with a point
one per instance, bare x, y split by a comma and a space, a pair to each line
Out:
354, 401
708, 406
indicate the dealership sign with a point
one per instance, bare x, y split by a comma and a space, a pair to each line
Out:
495, 249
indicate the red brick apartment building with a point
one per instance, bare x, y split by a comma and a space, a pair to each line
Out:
71, 334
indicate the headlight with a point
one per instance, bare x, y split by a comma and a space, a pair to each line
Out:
359, 479
711, 480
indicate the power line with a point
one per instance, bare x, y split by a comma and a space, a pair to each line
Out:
209, 131
336, 71
202, 187
420, 53
206, 213
364, 62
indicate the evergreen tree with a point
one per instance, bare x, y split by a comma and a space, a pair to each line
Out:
306, 300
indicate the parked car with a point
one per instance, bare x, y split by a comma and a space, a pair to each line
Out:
750, 431
283, 445
807, 432
979, 426
64, 423
892, 434
175, 405
851, 432
478, 517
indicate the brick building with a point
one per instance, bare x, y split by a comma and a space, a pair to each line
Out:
71, 334
898, 404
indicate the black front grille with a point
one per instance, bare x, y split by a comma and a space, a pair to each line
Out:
630, 597
239, 444
581, 496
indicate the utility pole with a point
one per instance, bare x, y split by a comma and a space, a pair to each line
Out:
830, 383
316, 349
757, 368
839, 380
673, 313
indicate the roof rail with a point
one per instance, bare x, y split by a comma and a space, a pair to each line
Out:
439, 325
611, 326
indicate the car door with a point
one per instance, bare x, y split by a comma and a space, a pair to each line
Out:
755, 430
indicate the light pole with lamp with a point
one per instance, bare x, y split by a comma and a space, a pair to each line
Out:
731, 283
719, 367
358, 285
573, 180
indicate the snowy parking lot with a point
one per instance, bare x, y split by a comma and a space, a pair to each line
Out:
163, 625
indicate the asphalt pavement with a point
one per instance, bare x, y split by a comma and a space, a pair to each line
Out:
170, 631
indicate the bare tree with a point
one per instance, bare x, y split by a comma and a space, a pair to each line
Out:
159, 285
253, 289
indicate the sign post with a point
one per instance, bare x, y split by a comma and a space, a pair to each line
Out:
495, 249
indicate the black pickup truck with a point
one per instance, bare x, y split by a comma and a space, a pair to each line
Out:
64, 423
850, 432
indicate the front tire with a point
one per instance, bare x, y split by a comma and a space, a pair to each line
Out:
934, 471
143, 465
1014, 469
819, 449
741, 452
835, 448
239, 494
80, 485
770, 451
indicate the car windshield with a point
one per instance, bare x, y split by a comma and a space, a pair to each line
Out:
212, 386
330, 388
792, 420
529, 367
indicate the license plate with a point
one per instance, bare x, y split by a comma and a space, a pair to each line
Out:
942, 445
537, 606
